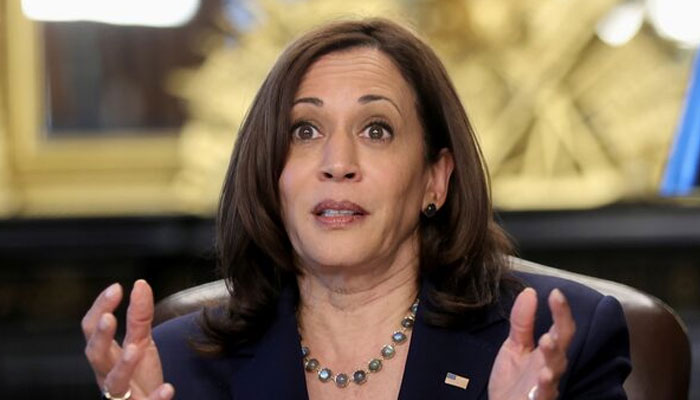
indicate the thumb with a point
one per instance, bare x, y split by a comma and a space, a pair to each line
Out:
139, 315
522, 319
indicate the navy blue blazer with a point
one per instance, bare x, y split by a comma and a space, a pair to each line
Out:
272, 368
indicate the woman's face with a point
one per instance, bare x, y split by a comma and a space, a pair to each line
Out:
355, 179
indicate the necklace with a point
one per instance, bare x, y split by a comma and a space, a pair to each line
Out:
325, 374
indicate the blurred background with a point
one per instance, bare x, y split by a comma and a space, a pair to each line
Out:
117, 119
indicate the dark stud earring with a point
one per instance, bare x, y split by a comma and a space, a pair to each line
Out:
430, 210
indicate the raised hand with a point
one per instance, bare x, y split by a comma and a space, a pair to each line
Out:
132, 370
523, 371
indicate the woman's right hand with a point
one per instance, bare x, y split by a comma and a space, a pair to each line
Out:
135, 365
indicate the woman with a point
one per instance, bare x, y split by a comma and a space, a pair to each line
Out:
355, 224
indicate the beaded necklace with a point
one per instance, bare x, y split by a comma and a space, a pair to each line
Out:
341, 380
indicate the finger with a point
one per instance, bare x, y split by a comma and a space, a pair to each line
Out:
106, 302
99, 347
554, 355
164, 392
522, 318
118, 379
564, 325
139, 315
546, 385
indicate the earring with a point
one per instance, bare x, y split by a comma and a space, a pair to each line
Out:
430, 210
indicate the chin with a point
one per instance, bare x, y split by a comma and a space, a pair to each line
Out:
337, 256
339, 259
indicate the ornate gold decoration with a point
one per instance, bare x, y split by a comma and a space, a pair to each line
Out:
564, 120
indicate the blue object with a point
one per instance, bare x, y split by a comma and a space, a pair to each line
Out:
684, 162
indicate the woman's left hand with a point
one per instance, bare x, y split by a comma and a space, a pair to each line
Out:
523, 371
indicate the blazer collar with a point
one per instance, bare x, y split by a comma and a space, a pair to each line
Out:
275, 370
468, 352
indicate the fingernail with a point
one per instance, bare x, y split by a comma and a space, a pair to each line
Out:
129, 352
166, 391
558, 296
112, 291
104, 322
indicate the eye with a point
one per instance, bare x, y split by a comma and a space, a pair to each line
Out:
378, 131
304, 131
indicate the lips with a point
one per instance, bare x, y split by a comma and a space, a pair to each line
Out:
332, 208
338, 214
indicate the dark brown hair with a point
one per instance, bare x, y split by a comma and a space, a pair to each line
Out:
463, 252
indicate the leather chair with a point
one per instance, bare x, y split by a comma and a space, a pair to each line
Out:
658, 338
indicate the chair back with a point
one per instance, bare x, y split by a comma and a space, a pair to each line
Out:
659, 344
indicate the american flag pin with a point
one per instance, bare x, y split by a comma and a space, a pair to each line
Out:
456, 380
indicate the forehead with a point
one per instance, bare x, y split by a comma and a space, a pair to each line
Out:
362, 70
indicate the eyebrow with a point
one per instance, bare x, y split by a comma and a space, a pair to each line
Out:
362, 100
311, 100
375, 97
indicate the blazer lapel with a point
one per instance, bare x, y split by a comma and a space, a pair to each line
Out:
467, 353
272, 368
275, 370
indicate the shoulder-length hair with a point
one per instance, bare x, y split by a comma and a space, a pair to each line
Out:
462, 251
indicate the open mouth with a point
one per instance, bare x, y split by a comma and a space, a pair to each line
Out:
338, 210
337, 213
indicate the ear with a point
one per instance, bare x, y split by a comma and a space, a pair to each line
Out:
439, 179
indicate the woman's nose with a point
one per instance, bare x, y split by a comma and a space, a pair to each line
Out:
340, 159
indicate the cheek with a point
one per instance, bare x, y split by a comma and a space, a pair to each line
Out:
286, 190
401, 189
405, 182
291, 188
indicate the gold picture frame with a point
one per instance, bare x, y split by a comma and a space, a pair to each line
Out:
122, 174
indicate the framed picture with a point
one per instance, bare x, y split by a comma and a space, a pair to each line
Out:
87, 125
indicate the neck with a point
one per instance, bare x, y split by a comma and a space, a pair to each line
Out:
339, 308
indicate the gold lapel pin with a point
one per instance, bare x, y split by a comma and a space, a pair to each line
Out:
456, 380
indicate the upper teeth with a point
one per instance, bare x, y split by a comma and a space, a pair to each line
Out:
331, 213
